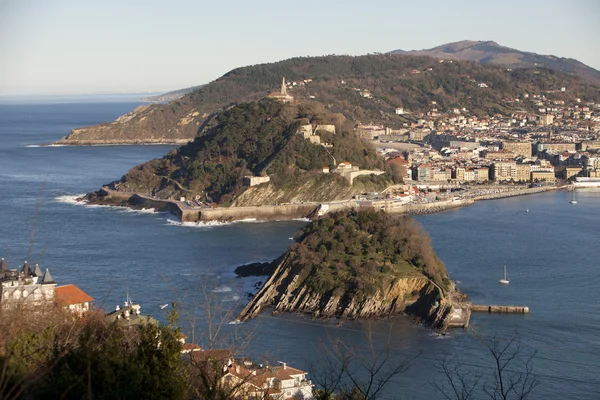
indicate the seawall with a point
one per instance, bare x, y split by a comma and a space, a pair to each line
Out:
522, 192
288, 211
279, 212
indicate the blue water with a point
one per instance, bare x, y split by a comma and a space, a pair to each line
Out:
552, 255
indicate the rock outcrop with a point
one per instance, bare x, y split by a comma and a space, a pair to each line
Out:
286, 291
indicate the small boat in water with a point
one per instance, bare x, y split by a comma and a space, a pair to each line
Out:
163, 306
573, 197
504, 280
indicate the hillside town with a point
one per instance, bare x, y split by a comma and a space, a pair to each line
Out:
558, 140
562, 142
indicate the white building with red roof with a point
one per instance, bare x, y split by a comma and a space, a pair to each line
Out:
72, 298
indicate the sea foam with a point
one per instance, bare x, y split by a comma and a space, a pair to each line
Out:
70, 199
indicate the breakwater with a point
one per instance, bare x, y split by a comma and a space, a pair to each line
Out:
274, 212
188, 213
512, 193
500, 309
430, 208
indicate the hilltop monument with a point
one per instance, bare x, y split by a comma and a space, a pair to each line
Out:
282, 95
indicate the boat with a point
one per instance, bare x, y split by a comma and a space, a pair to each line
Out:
163, 306
504, 280
573, 197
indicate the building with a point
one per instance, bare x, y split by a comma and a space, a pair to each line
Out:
422, 172
72, 298
30, 287
27, 286
249, 380
482, 174
326, 128
568, 172
255, 180
439, 175
278, 383
370, 132
543, 176
504, 171
282, 95
557, 147
499, 155
547, 119
129, 316
344, 166
518, 148
523, 172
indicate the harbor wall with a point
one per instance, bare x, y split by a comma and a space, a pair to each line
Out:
429, 208
500, 309
275, 212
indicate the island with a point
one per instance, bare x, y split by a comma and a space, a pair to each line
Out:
362, 264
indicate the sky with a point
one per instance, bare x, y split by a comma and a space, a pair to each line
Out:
124, 46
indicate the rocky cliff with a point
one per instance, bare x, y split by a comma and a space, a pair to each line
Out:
285, 291
389, 273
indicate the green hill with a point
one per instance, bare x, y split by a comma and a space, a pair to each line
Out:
364, 89
491, 53
254, 139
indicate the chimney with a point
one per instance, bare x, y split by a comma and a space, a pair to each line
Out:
284, 365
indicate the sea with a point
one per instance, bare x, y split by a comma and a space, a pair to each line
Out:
551, 250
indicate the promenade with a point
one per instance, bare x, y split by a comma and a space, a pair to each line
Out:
187, 213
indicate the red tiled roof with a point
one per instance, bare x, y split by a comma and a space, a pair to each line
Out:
70, 294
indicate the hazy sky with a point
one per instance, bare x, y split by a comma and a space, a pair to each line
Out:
78, 46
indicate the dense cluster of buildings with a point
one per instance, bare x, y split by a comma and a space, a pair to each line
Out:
561, 143
447, 158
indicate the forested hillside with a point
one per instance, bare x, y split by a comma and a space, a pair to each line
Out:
364, 89
252, 139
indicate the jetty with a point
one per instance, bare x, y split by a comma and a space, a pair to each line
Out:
460, 316
500, 309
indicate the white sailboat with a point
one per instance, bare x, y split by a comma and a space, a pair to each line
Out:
573, 197
505, 279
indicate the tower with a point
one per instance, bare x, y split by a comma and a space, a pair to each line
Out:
283, 88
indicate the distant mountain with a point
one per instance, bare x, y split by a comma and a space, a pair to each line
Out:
491, 53
173, 95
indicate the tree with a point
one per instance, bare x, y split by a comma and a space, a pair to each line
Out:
349, 372
512, 377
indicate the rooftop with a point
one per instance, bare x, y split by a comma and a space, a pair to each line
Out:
70, 294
